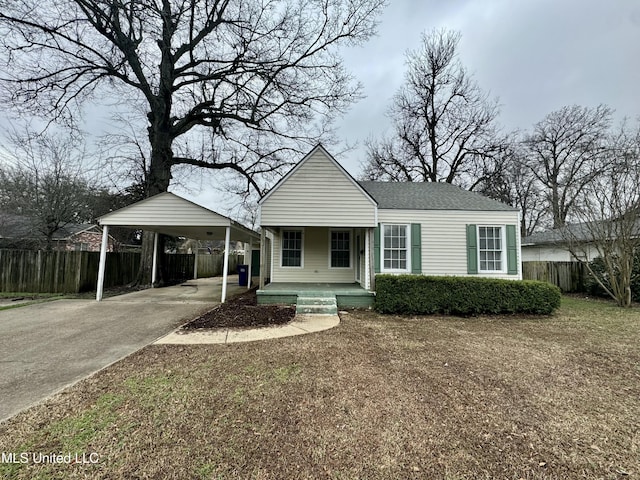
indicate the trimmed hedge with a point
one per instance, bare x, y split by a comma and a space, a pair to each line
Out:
417, 294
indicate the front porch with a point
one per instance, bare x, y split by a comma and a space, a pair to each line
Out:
347, 295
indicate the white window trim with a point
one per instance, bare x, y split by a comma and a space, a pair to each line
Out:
407, 247
351, 240
503, 252
301, 230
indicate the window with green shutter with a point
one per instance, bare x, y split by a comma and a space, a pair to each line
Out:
492, 249
395, 248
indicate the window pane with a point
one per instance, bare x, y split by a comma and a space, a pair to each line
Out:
490, 248
395, 247
340, 249
291, 248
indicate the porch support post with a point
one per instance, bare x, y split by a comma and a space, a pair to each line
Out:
225, 267
250, 245
103, 261
154, 265
367, 273
195, 262
370, 271
263, 255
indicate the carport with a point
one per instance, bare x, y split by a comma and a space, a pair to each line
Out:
170, 214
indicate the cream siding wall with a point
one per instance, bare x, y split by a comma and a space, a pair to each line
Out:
318, 193
315, 260
444, 238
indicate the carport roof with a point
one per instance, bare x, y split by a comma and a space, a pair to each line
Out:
171, 214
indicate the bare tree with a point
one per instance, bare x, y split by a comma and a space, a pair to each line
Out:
46, 184
214, 70
565, 153
225, 84
445, 125
513, 183
609, 225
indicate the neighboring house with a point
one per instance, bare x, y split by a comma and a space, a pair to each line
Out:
552, 245
326, 227
548, 246
16, 231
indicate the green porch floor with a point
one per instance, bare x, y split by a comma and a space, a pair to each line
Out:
348, 295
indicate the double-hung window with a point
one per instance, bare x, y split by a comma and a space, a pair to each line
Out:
340, 249
395, 248
292, 248
491, 249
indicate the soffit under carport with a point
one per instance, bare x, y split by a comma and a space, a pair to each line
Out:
171, 214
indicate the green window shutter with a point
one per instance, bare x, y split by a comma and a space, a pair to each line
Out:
416, 248
376, 249
472, 249
512, 250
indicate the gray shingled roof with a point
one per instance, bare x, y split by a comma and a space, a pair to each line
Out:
558, 235
429, 196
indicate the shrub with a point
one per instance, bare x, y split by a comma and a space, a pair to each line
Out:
416, 294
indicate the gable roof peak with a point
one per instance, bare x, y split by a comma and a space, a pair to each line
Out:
327, 154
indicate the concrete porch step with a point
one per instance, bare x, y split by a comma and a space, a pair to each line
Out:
325, 305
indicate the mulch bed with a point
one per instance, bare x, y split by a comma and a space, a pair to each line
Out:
243, 311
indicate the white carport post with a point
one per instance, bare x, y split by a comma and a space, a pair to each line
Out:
225, 268
154, 265
249, 262
195, 262
103, 261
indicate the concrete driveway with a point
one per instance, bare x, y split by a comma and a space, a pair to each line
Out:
49, 346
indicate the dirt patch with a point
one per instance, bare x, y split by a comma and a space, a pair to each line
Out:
243, 311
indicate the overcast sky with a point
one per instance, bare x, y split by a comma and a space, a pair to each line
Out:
535, 56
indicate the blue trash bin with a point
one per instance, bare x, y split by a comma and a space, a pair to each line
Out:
243, 272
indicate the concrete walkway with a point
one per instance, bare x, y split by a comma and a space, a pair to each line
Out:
300, 325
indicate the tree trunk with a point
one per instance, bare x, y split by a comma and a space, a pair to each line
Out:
158, 179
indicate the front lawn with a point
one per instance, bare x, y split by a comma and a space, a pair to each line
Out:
377, 397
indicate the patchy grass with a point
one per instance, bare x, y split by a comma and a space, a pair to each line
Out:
14, 295
377, 397
10, 300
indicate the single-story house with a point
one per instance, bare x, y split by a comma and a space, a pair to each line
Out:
328, 229
552, 245
19, 232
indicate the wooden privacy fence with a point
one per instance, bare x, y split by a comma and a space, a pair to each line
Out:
72, 272
568, 276
211, 265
